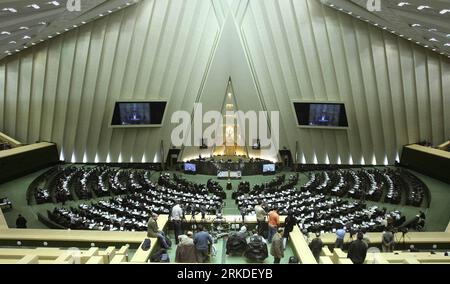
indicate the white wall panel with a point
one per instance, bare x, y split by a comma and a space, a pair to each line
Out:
64, 89
37, 95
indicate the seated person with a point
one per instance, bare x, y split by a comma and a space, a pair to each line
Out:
21, 222
256, 248
154, 232
237, 243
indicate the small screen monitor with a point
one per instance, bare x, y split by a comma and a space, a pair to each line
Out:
190, 167
138, 114
321, 114
268, 168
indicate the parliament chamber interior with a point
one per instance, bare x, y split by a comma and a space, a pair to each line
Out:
224, 132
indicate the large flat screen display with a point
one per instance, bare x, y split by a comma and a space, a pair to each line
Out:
138, 114
268, 168
189, 167
321, 114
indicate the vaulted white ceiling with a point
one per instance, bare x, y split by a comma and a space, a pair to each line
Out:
26, 23
183, 51
425, 22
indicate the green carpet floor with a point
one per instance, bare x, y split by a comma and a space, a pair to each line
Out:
438, 215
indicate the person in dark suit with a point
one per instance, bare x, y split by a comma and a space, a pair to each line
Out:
316, 246
357, 250
289, 224
229, 185
21, 222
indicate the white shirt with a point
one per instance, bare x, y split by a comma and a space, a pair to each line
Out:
177, 212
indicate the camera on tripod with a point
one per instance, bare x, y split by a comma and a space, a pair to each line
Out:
353, 232
403, 230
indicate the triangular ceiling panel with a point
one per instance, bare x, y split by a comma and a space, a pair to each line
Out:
230, 61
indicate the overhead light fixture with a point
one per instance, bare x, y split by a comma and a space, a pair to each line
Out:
34, 6
447, 44
12, 42
401, 4
421, 7
54, 3
26, 37
43, 23
24, 28
433, 39
444, 11
5, 33
12, 10
415, 25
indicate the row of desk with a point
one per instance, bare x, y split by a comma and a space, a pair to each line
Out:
76, 236
19, 161
410, 238
44, 255
11, 141
429, 161
3, 223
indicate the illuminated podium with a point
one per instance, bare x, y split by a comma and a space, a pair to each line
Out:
229, 174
